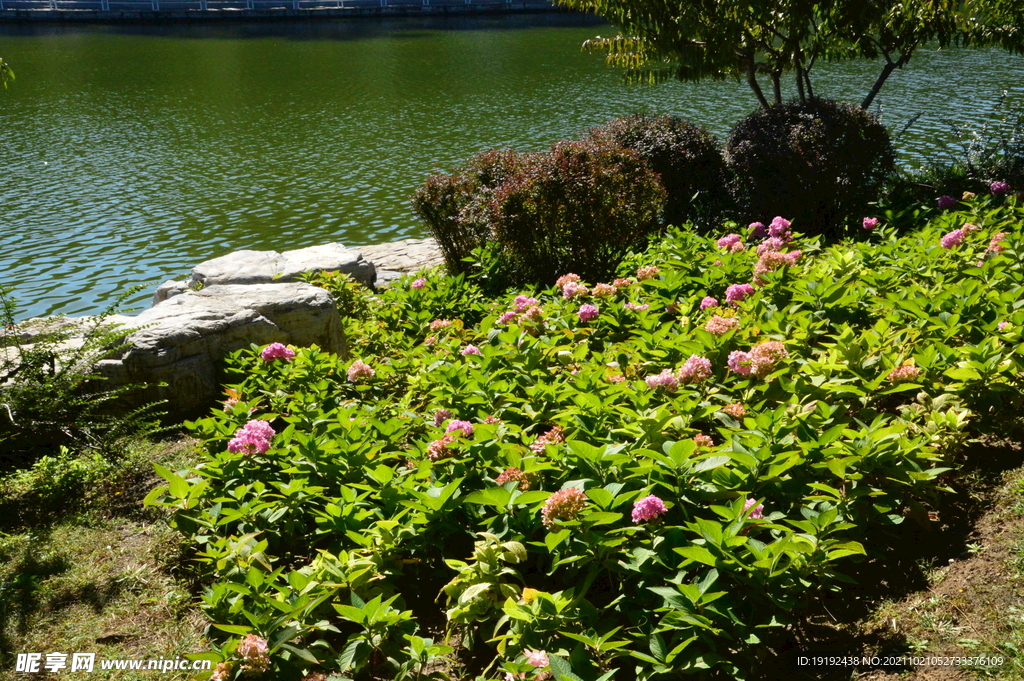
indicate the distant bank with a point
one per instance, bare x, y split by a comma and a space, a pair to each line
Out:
31, 11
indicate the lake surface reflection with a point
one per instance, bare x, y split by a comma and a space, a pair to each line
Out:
131, 153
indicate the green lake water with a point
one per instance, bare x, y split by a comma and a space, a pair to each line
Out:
131, 153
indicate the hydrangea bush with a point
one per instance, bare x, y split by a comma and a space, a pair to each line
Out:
645, 493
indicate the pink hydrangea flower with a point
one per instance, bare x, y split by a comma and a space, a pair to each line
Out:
360, 370
538, 658
735, 410
779, 228
719, 326
870, 223
999, 188
738, 292
222, 672
248, 444
739, 362
440, 324
604, 290
905, 373
647, 273
562, 505
515, 475
438, 449
440, 416
954, 238
731, 242
708, 301
772, 244
637, 308
464, 426
507, 318
946, 202
996, 245
648, 508
703, 441
259, 428
1004, 325
534, 314
666, 380
277, 351
553, 437
521, 303
471, 350
623, 282
588, 312
695, 369
757, 513
253, 651
765, 356
419, 283
566, 279
757, 230
574, 290
251, 438
773, 260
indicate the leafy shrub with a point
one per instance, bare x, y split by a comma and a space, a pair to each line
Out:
687, 158
50, 395
579, 208
819, 163
647, 490
452, 205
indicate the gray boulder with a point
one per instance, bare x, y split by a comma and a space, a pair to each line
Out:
266, 267
397, 258
181, 341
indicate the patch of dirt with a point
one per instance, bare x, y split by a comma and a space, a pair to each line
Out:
948, 585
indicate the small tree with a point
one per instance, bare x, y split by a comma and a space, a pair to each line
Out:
696, 39
5, 73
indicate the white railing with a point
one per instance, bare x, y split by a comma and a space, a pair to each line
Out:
213, 5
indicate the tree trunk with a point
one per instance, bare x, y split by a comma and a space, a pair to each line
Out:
777, 86
752, 82
887, 70
800, 83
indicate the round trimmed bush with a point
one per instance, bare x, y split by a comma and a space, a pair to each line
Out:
818, 163
686, 156
451, 204
579, 208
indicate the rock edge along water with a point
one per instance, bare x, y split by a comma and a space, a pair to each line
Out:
176, 346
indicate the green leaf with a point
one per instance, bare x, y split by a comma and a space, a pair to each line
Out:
561, 669
553, 539
234, 629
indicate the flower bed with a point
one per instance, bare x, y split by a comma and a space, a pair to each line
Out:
600, 480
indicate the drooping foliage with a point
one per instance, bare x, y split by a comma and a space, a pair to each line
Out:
691, 40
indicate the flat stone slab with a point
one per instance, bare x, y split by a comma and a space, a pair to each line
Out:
267, 267
406, 256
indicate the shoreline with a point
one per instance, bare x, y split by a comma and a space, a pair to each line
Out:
221, 11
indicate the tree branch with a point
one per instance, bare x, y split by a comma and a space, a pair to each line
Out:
752, 82
887, 70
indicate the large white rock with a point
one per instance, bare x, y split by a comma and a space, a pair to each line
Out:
397, 258
182, 341
265, 267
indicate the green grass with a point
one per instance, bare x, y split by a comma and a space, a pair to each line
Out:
93, 573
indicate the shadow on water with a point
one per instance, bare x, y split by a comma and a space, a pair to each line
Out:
303, 29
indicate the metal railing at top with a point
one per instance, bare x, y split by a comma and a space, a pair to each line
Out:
214, 5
